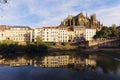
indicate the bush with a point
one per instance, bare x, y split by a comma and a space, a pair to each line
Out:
64, 43
50, 43
15, 50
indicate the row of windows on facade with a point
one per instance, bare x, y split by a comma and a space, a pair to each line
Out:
20, 39
54, 29
15, 35
54, 39
59, 36
19, 29
54, 35
54, 32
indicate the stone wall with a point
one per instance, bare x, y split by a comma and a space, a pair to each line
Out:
104, 43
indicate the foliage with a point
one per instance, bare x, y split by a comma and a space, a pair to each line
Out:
107, 32
39, 39
63, 43
40, 42
33, 48
14, 50
50, 43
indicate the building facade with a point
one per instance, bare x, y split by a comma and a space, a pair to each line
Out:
17, 34
50, 34
64, 34
37, 33
89, 34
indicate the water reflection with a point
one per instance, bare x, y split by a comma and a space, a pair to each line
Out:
20, 61
57, 61
79, 65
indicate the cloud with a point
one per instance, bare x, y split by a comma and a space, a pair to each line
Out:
36, 13
109, 16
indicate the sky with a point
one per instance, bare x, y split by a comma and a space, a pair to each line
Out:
40, 13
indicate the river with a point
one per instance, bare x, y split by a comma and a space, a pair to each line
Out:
61, 66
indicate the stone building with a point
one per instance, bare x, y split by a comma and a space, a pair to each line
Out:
81, 20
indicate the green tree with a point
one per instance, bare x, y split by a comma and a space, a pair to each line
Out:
107, 32
38, 39
114, 31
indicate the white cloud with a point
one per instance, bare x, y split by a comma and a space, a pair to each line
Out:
52, 12
109, 16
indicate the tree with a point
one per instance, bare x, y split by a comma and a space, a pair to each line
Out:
107, 32
114, 31
38, 39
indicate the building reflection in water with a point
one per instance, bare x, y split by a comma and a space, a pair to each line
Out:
66, 61
70, 61
21, 61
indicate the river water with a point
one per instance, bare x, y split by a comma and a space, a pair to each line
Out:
61, 67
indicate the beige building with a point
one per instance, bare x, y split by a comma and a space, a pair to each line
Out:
2, 32
63, 34
37, 33
46, 34
70, 35
54, 34
17, 33
89, 34
50, 34
79, 33
83, 34
2, 37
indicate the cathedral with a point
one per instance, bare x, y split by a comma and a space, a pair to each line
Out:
81, 20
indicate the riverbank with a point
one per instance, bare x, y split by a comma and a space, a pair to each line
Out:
62, 48
110, 52
114, 53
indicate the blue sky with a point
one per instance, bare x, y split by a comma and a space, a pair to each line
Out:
39, 13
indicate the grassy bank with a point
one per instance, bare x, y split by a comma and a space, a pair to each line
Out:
14, 50
67, 47
10, 49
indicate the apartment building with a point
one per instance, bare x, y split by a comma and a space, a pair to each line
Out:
46, 34
70, 35
17, 33
2, 32
37, 33
63, 34
79, 33
50, 34
53, 34
89, 34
